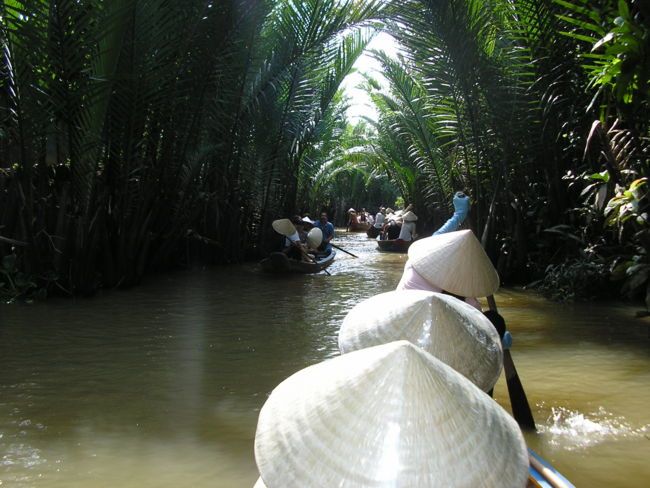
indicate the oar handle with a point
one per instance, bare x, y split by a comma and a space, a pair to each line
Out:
553, 479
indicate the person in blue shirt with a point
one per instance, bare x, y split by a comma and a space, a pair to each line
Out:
328, 233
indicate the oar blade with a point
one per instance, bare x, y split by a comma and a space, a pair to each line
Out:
519, 402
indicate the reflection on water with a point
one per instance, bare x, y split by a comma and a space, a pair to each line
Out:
160, 386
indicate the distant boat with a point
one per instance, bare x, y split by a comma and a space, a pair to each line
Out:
358, 227
279, 262
393, 245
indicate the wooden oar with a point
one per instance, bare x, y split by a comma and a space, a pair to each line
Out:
520, 408
341, 249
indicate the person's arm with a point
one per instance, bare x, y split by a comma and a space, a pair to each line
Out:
461, 209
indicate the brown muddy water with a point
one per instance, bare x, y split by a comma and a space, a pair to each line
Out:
161, 385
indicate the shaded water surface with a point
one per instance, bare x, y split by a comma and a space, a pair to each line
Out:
160, 386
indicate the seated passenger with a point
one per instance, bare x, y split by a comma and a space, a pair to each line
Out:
295, 244
379, 218
363, 216
407, 232
451, 256
392, 229
328, 233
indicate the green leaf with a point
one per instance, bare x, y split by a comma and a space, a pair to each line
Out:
608, 37
602, 176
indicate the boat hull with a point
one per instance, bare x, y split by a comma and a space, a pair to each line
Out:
279, 263
393, 245
358, 227
542, 475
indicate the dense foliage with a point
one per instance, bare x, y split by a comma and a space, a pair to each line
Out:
136, 135
538, 110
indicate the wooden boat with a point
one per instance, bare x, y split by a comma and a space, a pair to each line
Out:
358, 227
542, 475
393, 245
373, 232
278, 262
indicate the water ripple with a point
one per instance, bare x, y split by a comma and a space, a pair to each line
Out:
576, 430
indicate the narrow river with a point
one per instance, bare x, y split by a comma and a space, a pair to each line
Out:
161, 385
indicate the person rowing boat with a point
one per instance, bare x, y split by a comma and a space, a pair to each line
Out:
295, 244
327, 229
414, 280
298, 256
456, 263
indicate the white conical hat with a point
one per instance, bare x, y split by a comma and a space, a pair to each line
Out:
259, 483
409, 217
450, 329
386, 416
455, 262
314, 238
284, 227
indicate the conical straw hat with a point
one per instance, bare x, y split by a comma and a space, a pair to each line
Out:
314, 238
284, 227
455, 262
386, 416
409, 217
450, 329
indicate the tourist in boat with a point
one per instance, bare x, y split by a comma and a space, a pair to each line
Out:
328, 233
407, 231
295, 246
363, 216
434, 429
376, 224
392, 227
412, 280
379, 218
